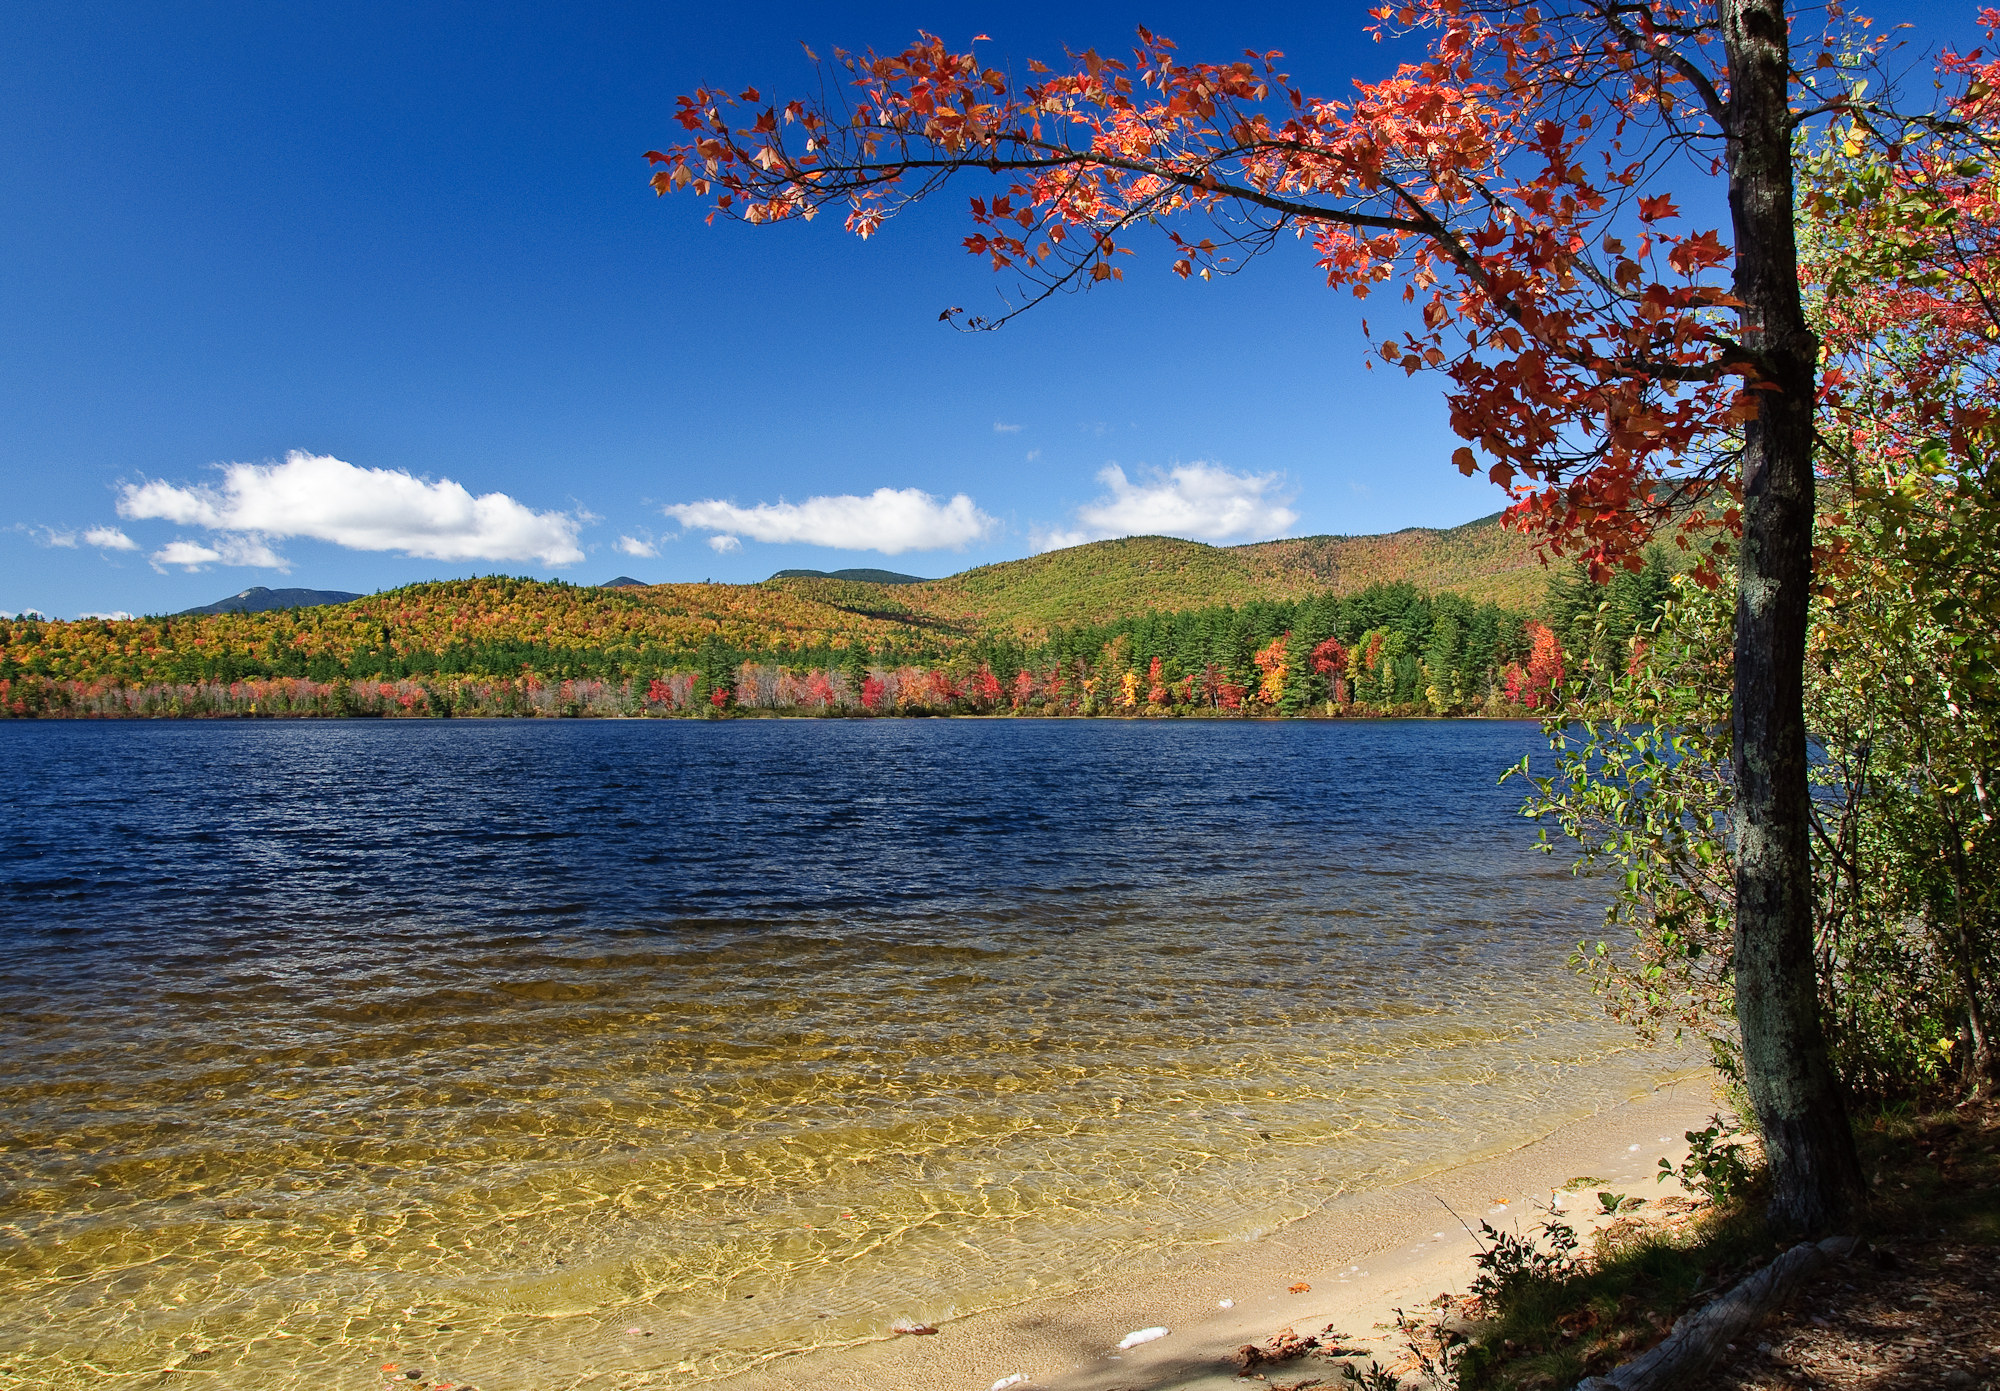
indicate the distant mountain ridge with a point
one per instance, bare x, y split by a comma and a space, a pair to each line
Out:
861, 576
258, 599
508, 625
1102, 581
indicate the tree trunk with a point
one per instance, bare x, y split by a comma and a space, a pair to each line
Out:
1800, 1111
1965, 948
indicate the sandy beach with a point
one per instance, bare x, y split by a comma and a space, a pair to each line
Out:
1358, 1259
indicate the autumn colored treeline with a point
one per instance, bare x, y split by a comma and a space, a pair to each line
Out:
1386, 648
489, 626
1389, 649
1603, 627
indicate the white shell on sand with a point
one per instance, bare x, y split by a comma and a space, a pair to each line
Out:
1144, 1335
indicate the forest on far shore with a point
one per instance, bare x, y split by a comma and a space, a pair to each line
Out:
1387, 649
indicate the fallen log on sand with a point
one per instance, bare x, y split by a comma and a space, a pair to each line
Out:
1701, 1337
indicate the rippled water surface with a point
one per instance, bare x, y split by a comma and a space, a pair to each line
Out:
542, 1053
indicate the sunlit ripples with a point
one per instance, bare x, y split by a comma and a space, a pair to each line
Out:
477, 1046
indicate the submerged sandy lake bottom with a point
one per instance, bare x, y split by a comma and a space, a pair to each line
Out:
550, 1054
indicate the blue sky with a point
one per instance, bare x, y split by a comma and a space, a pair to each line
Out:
321, 242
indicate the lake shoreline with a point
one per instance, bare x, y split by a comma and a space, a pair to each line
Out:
1346, 1266
1347, 715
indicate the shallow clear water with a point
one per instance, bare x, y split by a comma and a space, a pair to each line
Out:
536, 1052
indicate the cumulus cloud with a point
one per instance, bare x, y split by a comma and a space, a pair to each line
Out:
109, 538
1201, 501
889, 520
189, 553
227, 550
363, 509
632, 545
115, 616
723, 545
1058, 538
1001, 427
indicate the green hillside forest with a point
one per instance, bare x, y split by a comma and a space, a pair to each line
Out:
1433, 622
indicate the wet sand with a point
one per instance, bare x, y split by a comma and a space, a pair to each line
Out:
1362, 1256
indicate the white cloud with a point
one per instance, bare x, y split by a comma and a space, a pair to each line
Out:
1201, 501
1056, 538
1002, 428
227, 550
363, 509
109, 538
888, 520
632, 545
723, 545
115, 616
187, 553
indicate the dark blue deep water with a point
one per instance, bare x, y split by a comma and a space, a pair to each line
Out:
129, 836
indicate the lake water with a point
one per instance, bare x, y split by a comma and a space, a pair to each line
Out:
535, 1053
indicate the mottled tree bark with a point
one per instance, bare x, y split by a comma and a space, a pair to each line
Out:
1815, 1172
